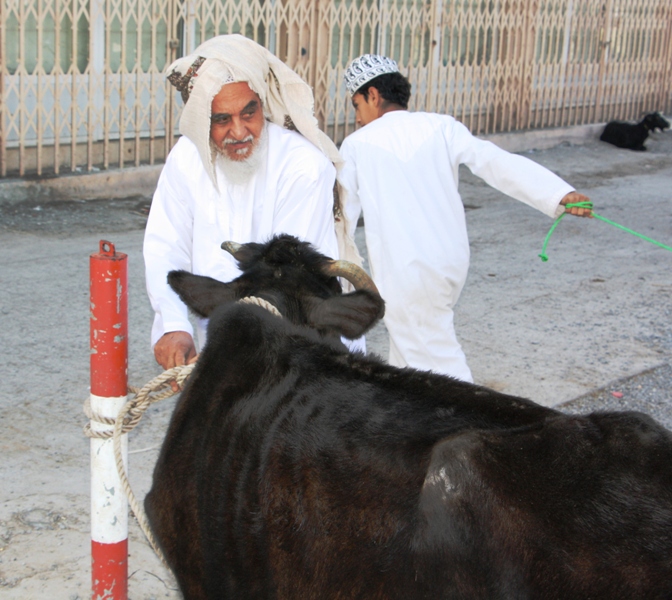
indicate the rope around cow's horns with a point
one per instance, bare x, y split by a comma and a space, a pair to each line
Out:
589, 205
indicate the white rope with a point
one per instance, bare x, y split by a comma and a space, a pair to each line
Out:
137, 407
263, 303
130, 415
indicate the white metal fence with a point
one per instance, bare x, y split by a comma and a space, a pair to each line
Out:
82, 84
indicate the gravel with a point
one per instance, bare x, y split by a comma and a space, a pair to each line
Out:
649, 392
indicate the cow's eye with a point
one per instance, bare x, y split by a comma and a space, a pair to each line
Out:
277, 273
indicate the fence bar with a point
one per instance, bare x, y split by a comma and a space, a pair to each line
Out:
83, 77
109, 384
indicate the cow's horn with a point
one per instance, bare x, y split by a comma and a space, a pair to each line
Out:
231, 247
354, 274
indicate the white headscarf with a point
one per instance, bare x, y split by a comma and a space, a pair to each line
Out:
284, 95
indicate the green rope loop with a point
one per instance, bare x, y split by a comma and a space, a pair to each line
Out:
589, 205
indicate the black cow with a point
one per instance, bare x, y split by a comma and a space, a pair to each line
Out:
633, 135
293, 469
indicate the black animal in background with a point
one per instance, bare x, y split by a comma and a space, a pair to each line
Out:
633, 135
296, 470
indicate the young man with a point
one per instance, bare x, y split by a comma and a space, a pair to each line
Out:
235, 174
401, 170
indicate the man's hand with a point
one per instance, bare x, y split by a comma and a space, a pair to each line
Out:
577, 211
174, 349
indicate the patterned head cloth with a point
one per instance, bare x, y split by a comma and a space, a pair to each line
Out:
365, 68
234, 58
285, 97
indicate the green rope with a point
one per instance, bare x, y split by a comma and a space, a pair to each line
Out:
589, 205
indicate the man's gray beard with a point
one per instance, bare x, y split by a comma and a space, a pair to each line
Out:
240, 172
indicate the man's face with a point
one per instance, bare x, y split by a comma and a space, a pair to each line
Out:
237, 120
366, 109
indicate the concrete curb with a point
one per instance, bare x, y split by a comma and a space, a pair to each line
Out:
141, 181
543, 139
118, 183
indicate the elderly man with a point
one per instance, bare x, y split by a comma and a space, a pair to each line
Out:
236, 174
401, 170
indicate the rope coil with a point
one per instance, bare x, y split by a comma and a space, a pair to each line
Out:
157, 389
131, 413
128, 418
135, 408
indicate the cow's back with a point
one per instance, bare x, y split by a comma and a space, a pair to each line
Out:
575, 507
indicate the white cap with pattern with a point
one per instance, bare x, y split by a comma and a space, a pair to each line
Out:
365, 68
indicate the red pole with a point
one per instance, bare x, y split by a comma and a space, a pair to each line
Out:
109, 385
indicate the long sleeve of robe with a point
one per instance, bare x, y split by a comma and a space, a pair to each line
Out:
401, 171
189, 219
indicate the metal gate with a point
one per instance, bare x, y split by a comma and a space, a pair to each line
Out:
82, 82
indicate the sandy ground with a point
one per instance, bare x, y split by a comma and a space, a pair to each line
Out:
593, 318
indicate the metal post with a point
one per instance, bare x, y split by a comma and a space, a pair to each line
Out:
109, 385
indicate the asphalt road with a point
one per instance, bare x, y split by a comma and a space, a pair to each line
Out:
590, 329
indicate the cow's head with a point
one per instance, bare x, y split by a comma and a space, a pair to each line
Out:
299, 281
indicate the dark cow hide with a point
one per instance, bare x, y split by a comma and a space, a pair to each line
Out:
293, 469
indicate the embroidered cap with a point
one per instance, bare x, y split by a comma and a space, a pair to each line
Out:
365, 68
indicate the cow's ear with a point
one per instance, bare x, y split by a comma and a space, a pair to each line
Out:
201, 294
350, 315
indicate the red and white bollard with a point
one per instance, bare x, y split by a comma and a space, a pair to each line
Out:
109, 384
